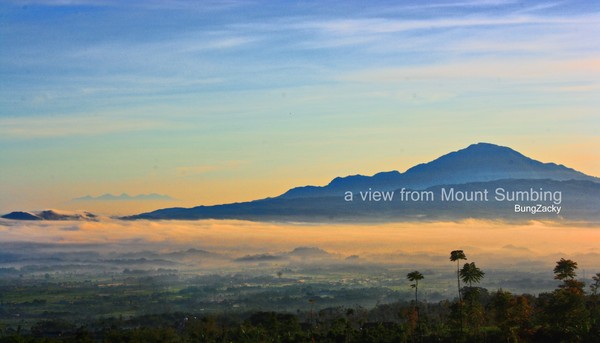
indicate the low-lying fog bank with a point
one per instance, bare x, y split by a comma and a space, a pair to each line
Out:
517, 257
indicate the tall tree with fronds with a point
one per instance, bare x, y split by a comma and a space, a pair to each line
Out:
415, 277
470, 274
457, 255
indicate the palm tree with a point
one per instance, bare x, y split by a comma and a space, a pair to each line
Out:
471, 273
415, 276
457, 255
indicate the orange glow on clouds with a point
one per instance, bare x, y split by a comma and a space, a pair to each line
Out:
492, 242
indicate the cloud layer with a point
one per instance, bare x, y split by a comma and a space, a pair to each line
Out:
494, 243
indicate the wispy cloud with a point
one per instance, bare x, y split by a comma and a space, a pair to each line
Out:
540, 7
475, 3
157, 50
206, 5
190, 171
63, 3
453, 4
124, 71
510, 32
525, 70
125, 197
78, 125
383, 25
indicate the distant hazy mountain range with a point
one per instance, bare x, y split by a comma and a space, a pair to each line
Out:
124, 197
481, 181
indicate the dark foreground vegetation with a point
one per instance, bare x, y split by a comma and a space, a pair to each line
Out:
570, 313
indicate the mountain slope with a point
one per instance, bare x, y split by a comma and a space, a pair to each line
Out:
580, 201
476, 168
477, 163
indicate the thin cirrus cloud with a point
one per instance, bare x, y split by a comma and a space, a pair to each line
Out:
65, 126
515, 33
385, 25
206, 5
198, 170
524, 70
129, 69
153, 50
125, 197
476, 3
64, 3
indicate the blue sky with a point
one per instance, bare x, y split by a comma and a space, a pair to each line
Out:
217, 101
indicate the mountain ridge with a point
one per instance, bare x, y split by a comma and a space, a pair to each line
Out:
475, 163
51, 215
581, 203
479, 166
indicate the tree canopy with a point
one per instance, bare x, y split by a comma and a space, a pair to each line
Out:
565, 269
470, 273
456, 255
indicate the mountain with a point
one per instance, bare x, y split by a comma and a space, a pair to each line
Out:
299, 253
50, 215
309, 252
20, 215
124, 197
477, 163
580, 201
499, 177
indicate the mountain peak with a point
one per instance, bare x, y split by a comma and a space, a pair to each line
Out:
484, 145
479, 162
488, 148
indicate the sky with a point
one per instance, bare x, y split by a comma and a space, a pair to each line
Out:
212, 102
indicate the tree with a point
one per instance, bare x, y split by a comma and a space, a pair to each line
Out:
565, 312
595, 314
415, 277
565, 270
457, 255
596, 285
471, 273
